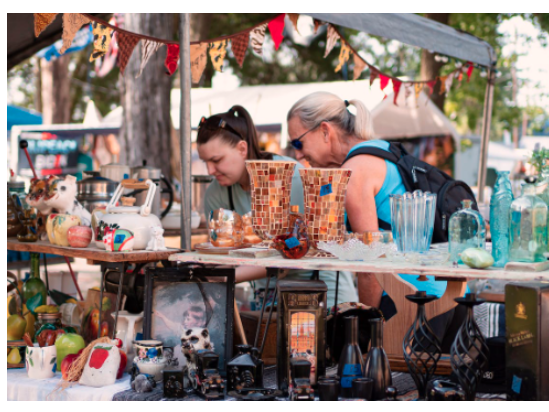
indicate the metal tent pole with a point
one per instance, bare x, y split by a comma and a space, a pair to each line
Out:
485, 138
185, 128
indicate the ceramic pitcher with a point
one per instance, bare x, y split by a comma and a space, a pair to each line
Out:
41, 362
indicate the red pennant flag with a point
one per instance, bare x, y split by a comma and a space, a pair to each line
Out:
172, 57
373, 75
126, 44
396, 89
239, 45
384, 81
431, 86
276, 27
469, 71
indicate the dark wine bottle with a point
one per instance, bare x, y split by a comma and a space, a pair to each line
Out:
351, 363
377, 364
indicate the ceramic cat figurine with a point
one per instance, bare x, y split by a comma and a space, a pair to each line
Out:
62, 196
157, 241
37, 198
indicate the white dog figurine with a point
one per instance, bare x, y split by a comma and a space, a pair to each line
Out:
157, 240
62, 196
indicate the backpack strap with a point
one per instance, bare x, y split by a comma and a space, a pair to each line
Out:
231, 202
374, 151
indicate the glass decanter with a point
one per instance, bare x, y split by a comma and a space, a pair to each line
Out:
466, 230
528, 227
500, 203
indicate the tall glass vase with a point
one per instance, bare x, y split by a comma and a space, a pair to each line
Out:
351, 363
377, 364
271, 188
466, 230
528, 227
324, 194
421, 345
500, 203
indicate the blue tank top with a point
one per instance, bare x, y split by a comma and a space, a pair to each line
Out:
393, 185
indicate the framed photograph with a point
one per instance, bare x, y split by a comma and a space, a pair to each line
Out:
182, 302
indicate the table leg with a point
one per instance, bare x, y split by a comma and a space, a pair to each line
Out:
122, 268
103, 271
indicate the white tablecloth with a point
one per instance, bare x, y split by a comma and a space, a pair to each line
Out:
21, 388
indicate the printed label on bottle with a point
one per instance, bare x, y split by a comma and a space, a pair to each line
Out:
292, 242
351, 371
326, 189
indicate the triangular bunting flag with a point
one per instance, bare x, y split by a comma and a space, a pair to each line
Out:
408, 90
294, 17
257, 36
331, 39
442, 88
449, 81
239, 45
383, 81
431, 86
344, 55
418, 87
360, 65
317, 24
218, 50
172, 57
374, 74
276, 28
41, 21
126, 44
460, 74
102, 36
396, 90
72, 22
469, 71
198, 60
148, 48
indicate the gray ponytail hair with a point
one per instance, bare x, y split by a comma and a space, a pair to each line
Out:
323, 106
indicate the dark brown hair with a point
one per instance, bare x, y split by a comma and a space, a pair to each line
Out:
240, 120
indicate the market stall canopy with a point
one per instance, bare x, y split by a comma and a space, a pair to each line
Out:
18, 115
417, 31
22, 43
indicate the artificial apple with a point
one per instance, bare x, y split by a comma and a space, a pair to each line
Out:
123, 362
68, 343
16, 327
67, 362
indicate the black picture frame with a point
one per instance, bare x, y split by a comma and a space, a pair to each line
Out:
199, 275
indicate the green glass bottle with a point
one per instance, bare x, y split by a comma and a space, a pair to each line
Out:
34, 284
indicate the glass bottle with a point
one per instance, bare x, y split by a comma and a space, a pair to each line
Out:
351, 363
295, 243
377, 364
500, 203
28, 233
528, 227
542, 185
34, 284
466, 230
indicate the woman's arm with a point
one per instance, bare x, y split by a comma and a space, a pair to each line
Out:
249, 273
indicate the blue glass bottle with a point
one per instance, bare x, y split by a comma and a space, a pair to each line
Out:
500, 203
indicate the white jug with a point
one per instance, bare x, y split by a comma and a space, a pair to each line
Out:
41, 362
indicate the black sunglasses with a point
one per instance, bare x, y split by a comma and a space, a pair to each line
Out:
297, 144
215, 123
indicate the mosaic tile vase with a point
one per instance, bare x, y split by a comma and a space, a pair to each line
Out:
271, 187
324, 194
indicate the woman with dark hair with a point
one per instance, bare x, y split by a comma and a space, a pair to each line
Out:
225, 141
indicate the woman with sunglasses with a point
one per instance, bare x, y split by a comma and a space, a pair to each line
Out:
225, 141
324, 132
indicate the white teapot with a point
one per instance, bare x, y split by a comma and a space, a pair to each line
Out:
137, 219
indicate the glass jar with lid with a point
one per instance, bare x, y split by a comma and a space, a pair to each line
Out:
466, 230
528, 227
45, 318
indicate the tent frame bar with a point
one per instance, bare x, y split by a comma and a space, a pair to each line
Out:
485, 138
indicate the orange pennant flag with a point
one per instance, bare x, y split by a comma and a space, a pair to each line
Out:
360, 65
41, 21
294, 17
218, 50
72, 22
442, 80
344, 55
198, 60
418, 87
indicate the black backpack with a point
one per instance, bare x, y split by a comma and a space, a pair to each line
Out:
417, 174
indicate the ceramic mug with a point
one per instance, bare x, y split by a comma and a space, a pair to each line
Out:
148, 349
41, 362
79, 236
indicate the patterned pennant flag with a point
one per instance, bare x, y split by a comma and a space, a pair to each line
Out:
148, 48
317, 24
126, 44
418, 87
383, 81
41, 21
374, 74
331, 39
360, 65
172, 58
72, 22
239, 45
198, 60
276, 28
344, 55
431, 86
258, 37
449, 81
102, 36
294, 17
218, 50
442, 88
469, 71
396, 89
